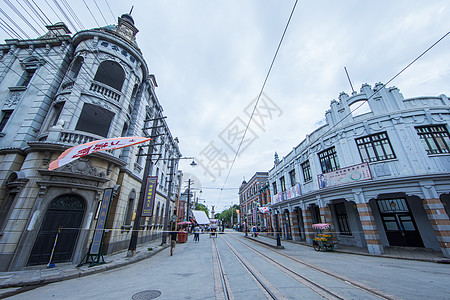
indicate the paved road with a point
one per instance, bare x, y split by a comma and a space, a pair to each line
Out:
190, 274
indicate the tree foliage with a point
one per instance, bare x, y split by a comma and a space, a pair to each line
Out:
226, 215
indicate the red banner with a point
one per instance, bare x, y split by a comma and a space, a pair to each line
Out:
76, 152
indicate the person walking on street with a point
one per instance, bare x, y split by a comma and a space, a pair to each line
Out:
173, 240
196, 233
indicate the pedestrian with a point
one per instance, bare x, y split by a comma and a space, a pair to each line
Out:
173, 240
255, 233
196, 233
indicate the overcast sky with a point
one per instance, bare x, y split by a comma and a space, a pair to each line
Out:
210, 59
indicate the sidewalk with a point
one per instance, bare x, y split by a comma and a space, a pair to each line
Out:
13, 282
409, 253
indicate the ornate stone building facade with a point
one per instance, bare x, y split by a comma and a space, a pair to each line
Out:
60, 90
380, 178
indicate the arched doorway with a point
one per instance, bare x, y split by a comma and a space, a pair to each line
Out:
65, 211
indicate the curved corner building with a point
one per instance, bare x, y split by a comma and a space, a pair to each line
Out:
61, 90
381, 178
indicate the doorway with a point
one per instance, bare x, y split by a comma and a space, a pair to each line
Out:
65, 212
399, 224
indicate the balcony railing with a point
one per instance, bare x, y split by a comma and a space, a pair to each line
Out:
104, 90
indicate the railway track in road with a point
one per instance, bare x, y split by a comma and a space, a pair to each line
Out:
312, 284
268, 289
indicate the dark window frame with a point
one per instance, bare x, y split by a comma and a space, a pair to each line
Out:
371, 146
435, 138
306, 168
342, 219
6, 115
328, 160
292, 177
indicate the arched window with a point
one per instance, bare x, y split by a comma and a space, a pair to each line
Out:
76, 67
30, 65
111, 74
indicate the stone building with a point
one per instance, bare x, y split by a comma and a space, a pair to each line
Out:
380, 178
64, 89
250, 200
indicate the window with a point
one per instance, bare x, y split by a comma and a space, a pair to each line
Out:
111, 74
342, 219
375, 147
435, 138
95, 119
76, 67
6, 114
328, 160
283, 184
26, 77
274, 185
292, 176
129, 212
139, 155
306, 168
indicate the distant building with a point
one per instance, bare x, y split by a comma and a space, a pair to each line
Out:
380, 178
250, 200
60, 90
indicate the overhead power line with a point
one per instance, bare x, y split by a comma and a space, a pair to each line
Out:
259, 96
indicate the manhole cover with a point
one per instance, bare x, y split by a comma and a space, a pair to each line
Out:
146, 295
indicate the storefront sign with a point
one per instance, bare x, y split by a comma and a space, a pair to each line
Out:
345, 175
150, 193
101, 222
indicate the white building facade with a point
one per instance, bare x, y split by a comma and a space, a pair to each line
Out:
60, 90
380, 179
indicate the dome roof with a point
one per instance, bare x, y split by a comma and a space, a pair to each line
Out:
128, 18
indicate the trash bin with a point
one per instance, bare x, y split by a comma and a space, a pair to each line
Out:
182, 237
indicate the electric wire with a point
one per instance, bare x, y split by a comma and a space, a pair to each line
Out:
21, 16
9, 29
98, 25
15, 24
65, 15
49, 22
95, 2
383, 86
30, 6
259, 96
28, 13
109, 7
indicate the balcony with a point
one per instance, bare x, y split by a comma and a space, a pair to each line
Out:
105, 91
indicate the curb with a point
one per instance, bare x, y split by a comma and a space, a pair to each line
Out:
78, 272
432, 260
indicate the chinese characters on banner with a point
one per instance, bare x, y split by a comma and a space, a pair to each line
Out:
216, 159
101, 222
292, 192
149, 200
78, 151
345, 175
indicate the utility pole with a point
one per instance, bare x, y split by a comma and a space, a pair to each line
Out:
147, 169
188, 200
167, 212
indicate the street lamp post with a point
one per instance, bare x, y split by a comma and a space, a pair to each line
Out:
278, 230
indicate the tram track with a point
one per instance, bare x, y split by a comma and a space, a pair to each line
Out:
268, 289
316, 287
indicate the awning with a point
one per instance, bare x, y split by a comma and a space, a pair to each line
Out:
200, 217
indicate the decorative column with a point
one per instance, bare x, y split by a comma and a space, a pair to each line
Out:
282, 224
294, 225
438, 217
307, 220
274, 223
